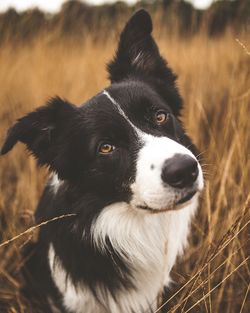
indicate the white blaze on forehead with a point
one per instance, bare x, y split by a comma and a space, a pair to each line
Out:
116, 105
122, 113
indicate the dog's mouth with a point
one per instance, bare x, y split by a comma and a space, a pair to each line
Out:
184, 201
186, 198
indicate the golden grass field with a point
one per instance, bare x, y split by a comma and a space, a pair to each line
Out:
214, 79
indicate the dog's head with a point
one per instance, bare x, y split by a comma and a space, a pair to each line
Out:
126, 143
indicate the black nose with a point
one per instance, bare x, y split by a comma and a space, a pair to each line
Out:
180, 171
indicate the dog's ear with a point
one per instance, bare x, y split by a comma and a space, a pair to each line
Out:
45, 132
138, 55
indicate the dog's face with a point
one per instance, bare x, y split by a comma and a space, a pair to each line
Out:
126, 143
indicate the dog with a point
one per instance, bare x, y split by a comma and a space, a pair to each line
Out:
125, 176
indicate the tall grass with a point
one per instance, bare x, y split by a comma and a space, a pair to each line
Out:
214, 79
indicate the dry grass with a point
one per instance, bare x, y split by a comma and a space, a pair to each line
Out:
214, 78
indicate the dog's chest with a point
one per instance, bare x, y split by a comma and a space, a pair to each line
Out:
150, 245
80, 299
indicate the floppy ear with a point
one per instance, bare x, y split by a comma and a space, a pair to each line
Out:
138, 56
44, 132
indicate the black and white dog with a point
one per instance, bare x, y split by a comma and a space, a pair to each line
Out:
124, 166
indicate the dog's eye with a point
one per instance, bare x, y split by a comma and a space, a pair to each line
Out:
161, 117
106, 148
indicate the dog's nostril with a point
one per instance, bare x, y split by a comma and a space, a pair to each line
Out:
180, 171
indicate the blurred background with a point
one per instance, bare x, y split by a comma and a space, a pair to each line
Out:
26, 19
50, 48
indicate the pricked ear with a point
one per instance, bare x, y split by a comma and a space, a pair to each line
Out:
43, 131
138, 56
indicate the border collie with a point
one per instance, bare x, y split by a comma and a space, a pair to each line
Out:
123, 166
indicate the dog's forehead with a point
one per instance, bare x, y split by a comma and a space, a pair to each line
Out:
129, 96
133, 96
98, 107
122, 107
102, 116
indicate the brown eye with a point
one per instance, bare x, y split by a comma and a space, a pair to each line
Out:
161, 117
106, 148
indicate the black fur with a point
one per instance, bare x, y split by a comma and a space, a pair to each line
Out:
138, 57
66, 139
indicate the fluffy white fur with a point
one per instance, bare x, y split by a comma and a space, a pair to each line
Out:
150, 242
55, 182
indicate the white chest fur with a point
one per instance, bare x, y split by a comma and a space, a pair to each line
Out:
149, 242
